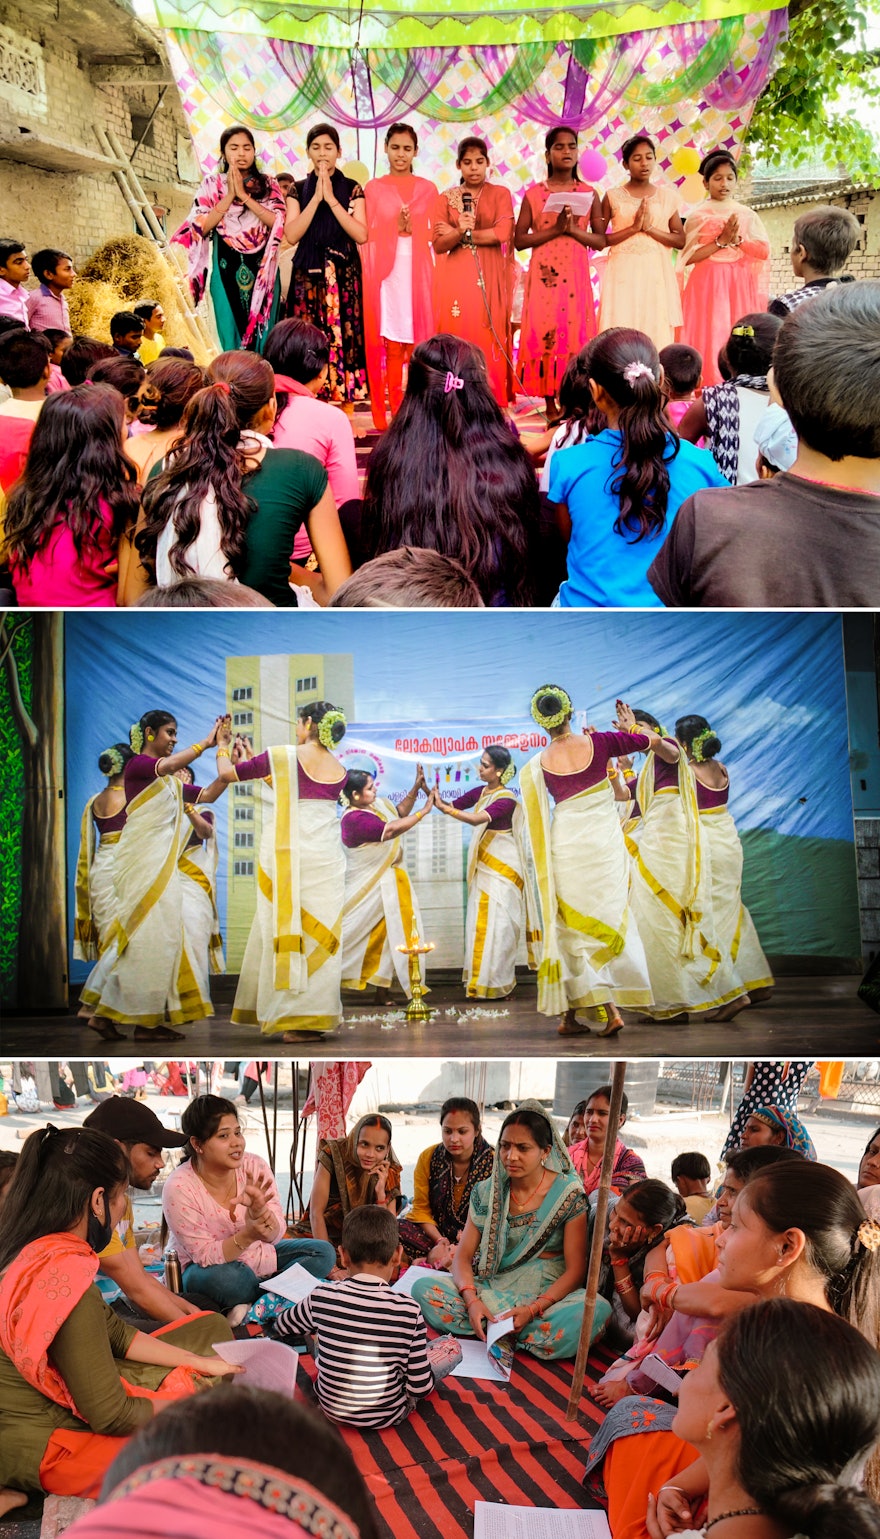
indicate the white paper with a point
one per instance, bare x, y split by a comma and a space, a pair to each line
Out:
413, 1274
265, 1364
578, 202
476, 1363
495, 1520
656, 1368
294, 1284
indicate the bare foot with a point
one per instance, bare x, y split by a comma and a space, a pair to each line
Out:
609, 1394
728, 1011
305, 1036
570, 1026
9, 1500
761, 996
157, 1034
615, 1022
105, 1029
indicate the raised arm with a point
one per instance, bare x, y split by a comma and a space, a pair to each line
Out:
661, 746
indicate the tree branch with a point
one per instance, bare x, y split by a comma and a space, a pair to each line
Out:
23, 720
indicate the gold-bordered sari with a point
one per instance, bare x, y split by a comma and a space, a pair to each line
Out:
500, 897
380, 908
95, 894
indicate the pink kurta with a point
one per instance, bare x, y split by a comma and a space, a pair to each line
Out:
638, 280
559, 313
199, 1225
731, 283
459, 303
385, 196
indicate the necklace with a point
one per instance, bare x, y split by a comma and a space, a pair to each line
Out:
230, 1188
531, 1195
738, 1512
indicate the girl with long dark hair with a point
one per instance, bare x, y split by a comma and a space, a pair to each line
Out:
725, 263
559, 312
144, 977
449, 475
172, 382
77, 497
227, 503
623, 488
232, 234
326, 221
638, 285
75, 1379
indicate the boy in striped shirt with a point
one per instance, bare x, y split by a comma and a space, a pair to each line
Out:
374, 1361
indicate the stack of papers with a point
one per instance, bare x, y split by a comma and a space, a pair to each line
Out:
495, 1520
294, 1284
265, 1364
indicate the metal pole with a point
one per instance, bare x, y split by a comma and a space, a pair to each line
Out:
618, 1075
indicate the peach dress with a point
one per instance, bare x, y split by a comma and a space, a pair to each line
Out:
639, 288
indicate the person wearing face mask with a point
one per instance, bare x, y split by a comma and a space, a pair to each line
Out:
75, 1379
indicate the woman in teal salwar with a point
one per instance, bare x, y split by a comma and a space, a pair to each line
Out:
523, 1252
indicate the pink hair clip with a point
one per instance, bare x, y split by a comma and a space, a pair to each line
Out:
452, 383
635, 370
222, 386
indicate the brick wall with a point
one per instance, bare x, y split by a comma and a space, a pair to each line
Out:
80, 212
865, 260
868, 866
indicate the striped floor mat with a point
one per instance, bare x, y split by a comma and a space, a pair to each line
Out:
474, 1440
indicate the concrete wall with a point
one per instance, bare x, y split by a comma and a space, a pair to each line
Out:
865, 260
80, 211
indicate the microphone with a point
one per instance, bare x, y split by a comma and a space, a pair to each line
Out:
467, 202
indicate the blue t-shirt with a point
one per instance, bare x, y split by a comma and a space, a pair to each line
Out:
606, 570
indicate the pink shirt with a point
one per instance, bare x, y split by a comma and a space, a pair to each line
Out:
198, 1225
14, 301
44, 309
317, 428
56, 578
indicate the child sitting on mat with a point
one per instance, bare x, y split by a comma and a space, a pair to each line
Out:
374, 1361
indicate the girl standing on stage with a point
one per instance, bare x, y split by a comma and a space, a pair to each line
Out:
559, 312
638, 286
398, 266
473, 286
670, 889
326, 221
197, 864
103, 820
145, 976
499, 897
725, 264
380, 905
735, 934
292, 970
592, 957
232, 234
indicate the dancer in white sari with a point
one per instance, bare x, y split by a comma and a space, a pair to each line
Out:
500, 891
380, 905
103, 820
734, 930
592, 958
671, 886
144, 977
292, 970
197, 864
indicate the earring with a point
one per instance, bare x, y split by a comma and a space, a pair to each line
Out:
709, 1430
150, 736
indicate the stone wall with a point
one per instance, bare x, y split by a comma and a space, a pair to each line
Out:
79, 211
779, 220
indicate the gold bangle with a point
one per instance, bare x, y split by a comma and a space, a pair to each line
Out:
222, 753
238, 1247
197, 748
453, 811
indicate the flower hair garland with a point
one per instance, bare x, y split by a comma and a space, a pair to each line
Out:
507, 773
136, 737
325, 729
114, 758
557, 717
699, 742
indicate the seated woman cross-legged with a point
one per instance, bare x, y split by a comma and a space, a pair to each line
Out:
351, 1173
445, 1176
524, 1248
75, 1379
224, 1213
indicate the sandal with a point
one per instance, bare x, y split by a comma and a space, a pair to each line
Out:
157, 1034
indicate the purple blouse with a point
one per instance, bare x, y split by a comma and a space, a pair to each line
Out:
709, 796
361, 827
113, 824
260, 767
140, 772
665, 775
606, 745
500, 812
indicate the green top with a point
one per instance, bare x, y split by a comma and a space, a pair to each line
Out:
286, 485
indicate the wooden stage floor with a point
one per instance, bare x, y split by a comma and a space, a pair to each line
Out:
809, 1017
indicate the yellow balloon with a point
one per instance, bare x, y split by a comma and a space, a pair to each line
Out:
692, 189
685, 161
357, 171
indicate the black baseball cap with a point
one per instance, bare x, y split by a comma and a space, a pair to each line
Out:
132, 1123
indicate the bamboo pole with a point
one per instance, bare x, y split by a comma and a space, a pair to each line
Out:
618, 1076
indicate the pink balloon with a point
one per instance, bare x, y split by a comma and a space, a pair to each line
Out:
592, 165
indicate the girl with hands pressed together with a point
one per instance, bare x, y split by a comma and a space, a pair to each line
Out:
639, 288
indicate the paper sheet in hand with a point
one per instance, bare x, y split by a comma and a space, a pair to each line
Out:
578, 202
266, 1364
489, 1359
495, 1520
413, 1274
656, 1368
295, 1283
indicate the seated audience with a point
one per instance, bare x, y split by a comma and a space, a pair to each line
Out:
125, 375
769, 1125
24, 367
619, 492
408, 579
300, 356
143, 1140
586, 1155
353, 1172
581, 417
202, 593
646, 1214
868, 1179
727, 416
227, 504
75, 1379
381, 1387
450, 475
76, 498
81, 355
59, 341
153, 316
445, 1175
575, 1128
682, 375
126, 333
822, 243
524, 1248
690, 1177
224, 1214
47, 304
173, 383
808, 538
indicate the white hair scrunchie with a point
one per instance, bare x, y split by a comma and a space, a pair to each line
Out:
635, 370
